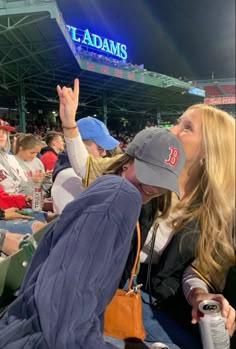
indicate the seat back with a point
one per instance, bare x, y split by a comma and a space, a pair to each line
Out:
13, 268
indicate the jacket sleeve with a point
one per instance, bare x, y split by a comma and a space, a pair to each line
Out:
75, 284
13, 200
192, 280
77, 154
167, 274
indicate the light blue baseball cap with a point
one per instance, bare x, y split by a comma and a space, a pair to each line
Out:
96, 130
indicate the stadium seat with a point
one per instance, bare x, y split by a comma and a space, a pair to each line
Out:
229, 89
13, 268
212, 90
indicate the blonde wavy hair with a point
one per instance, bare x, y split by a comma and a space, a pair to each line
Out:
212, 202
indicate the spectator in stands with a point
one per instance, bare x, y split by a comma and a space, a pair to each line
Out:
66, 184
26, 149
12, 180
11, 176
204, 213
49, 154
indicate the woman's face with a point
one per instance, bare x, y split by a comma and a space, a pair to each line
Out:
3, 138
147, 192
189, 131
29, 154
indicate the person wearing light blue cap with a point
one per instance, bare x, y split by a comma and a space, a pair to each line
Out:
66, 183
95, 130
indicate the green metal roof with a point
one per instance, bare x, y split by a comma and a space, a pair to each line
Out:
37, 53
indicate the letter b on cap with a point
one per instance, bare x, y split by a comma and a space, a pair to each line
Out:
173, 156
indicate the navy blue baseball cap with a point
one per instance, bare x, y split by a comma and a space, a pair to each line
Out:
96, 130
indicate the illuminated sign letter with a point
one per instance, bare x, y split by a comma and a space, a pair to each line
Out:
105, 46
123, 52
97, 41
115, 48
72, 31
87, 38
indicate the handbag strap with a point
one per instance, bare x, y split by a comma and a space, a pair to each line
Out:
136, 257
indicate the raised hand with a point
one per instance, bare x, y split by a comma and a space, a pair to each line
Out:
69, 100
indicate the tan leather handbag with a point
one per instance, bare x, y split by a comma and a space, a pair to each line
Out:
123, 315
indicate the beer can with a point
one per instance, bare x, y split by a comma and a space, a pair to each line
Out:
158, 345
212, 326
37, 199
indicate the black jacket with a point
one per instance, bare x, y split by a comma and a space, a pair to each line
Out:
166, 276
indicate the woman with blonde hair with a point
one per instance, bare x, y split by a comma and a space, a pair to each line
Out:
27, 147
213, 197
201, 224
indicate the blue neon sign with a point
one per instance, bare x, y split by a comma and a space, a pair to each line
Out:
85, 38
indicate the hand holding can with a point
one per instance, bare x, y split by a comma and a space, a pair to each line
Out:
214, 335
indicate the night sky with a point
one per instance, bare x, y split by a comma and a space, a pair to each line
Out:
188, 38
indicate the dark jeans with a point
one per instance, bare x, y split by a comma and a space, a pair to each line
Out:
161, 327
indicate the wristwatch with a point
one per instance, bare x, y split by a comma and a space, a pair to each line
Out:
2, 214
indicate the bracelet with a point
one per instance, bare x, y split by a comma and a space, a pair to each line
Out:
69, 128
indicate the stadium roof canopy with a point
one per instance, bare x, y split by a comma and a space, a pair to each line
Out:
37, 53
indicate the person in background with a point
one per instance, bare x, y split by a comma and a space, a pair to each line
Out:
66, 184
49, 154
12, 177
26, 149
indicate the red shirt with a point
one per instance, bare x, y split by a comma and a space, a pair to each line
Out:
48, 159
11, 200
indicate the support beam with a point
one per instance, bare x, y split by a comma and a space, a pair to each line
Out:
158, 115
21, 106
104, 108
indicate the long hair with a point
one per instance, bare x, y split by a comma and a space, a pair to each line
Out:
212, 202
117, 166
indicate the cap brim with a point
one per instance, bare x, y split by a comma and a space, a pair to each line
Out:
106, 143
156, 176
7, 128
